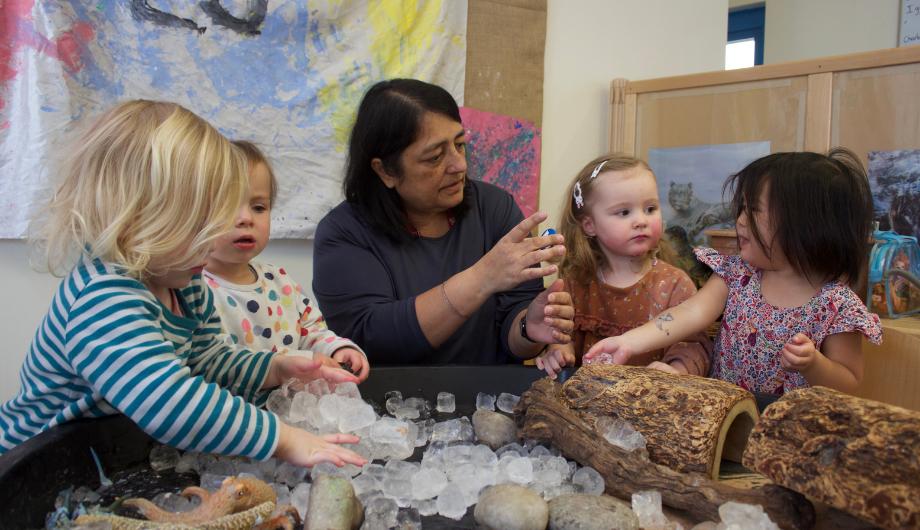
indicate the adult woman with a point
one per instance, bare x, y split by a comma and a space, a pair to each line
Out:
420, 264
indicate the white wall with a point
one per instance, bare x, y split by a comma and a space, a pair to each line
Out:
588, 46
797, 29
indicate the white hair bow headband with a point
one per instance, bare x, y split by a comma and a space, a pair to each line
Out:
577, 194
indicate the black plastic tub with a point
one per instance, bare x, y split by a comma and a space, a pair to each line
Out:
32, 474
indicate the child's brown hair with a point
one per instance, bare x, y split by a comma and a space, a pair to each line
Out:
582, 252
254, 156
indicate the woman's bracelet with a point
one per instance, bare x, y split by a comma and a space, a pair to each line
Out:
449, 303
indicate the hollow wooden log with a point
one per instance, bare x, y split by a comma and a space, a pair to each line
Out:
857, 455
543, 414
689, 423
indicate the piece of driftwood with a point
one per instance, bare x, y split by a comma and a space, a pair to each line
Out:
689, 423
857, 455
545, 414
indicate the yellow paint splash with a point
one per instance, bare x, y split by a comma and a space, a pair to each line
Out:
403, 34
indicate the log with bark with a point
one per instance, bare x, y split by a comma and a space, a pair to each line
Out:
857, 455
689, 423
567, 415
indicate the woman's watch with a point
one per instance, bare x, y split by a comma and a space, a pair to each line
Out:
524, 330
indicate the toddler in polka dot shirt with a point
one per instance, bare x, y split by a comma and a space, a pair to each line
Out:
260, 305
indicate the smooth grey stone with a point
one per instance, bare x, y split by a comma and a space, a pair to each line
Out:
494, 428
591, 512
333, 505
511, 507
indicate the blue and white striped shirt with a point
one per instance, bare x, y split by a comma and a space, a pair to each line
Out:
107, 345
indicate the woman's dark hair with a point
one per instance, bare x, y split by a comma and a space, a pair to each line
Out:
388, 121
820, 207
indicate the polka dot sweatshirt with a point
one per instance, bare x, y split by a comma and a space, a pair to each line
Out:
273, 313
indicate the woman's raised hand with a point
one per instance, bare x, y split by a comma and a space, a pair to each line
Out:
517, 256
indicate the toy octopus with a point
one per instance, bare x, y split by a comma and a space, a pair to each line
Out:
238, 505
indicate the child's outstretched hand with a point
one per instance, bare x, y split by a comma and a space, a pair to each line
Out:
352, 357
555, 358
302, 448
284, 367
550, 315
799, 354
612, 350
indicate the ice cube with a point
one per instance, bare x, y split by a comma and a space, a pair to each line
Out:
393, 404
278, 403
647, 507
519, 470
290, 474
318, 387
485, 401
506, 402
451, 502
588, 481
301, 403
428, 483
621, 433
380, 512
330, 406
356, 415
406, 413
348, 389
447, 402
738, 516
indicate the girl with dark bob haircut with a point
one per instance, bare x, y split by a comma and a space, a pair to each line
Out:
820, 207
789, 319
422, 264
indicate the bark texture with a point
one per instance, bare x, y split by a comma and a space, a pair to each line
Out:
566, 417
688, 422
857, 455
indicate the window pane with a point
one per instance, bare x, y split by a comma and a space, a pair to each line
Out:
739, 54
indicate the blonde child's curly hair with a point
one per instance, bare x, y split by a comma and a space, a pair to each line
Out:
148, 179
583, 254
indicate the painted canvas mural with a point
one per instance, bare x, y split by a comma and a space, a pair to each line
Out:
894, 177
287, 74
504, 151
690, 183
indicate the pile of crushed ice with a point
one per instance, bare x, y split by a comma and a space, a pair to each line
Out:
453, 470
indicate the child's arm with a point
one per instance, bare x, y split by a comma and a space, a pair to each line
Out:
692, 355
839, 365
319, 338
669, 327
555, 358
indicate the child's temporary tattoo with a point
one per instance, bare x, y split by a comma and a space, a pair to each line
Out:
661, 319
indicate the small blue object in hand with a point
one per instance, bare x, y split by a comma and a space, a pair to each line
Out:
548, 232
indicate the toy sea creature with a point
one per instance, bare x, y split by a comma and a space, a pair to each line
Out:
239, 504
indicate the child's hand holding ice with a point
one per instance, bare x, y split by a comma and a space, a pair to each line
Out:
355, 360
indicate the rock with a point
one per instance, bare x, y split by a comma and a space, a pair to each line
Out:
333, 505
494, 428
591, 512
511, 507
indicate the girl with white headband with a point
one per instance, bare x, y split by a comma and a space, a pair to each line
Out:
612, 225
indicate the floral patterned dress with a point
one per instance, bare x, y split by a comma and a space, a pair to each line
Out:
749, 345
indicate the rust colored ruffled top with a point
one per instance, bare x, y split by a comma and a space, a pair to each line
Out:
604, 311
